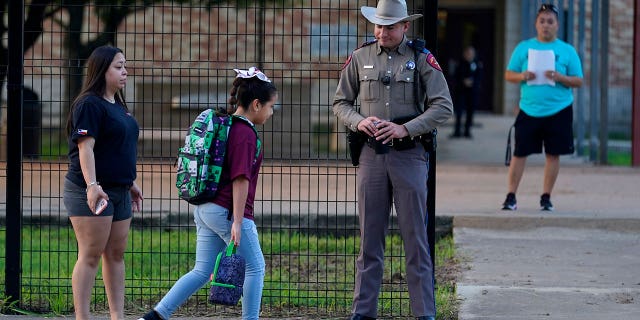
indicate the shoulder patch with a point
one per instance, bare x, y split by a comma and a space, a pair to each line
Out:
346, 63
431, 60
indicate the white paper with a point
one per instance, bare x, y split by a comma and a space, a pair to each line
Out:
539, 62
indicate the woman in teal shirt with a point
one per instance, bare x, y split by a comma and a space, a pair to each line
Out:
546, 97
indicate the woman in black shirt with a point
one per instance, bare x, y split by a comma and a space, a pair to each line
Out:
102, 153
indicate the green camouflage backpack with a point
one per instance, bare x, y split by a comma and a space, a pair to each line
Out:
200, 160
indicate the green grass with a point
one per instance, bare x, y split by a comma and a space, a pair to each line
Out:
619, 158
321, 135
306, 274
53, 145
615, 157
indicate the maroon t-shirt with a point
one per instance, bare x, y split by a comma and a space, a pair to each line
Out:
240, 161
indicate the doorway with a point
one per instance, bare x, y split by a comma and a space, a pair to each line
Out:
459, 28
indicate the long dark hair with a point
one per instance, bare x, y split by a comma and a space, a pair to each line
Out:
94, 82
245, 90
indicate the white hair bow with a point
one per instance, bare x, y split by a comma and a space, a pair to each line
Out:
252, 72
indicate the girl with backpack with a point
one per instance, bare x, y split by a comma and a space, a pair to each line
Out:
229, 217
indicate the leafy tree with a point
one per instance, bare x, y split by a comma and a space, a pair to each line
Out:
110, 12
36, 13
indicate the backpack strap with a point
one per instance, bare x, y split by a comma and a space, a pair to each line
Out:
258, 141
418, 46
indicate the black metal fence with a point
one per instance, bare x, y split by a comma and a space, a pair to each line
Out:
180, 58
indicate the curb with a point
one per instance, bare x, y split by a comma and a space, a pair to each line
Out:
336, 225
623, 225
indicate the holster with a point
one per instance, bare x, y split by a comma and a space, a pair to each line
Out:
356, 141
427, 140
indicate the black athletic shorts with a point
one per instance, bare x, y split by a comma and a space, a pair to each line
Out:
75, 200
554, 132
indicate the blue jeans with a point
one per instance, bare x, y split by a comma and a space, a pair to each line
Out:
213, 234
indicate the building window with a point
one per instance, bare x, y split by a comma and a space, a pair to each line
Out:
330, 40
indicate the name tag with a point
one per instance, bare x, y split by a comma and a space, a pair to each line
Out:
368, 67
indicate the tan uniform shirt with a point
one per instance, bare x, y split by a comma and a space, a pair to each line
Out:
362, 78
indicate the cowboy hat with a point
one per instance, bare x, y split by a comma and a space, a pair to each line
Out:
388, 12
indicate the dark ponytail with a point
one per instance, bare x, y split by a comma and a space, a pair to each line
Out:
245, 90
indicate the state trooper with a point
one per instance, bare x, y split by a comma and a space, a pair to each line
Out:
403, 97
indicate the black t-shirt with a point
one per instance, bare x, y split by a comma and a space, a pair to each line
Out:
116, 136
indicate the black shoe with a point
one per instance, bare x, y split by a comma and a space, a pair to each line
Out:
426, 318
545, 202
356, 316
468, 135
510, 202
455, 136
151, 315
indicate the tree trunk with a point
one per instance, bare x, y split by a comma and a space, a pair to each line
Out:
76, 60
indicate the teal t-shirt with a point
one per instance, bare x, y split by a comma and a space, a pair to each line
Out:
545, 100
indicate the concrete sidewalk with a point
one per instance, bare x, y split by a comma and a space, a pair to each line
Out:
578, 262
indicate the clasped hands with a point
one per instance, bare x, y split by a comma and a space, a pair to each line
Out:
382, 130
553, 75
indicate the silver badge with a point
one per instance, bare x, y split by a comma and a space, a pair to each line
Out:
410, 65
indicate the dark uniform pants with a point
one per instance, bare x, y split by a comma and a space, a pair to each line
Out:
398, 177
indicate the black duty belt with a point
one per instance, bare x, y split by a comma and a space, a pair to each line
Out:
397, 144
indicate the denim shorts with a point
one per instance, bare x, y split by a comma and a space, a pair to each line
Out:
75, 200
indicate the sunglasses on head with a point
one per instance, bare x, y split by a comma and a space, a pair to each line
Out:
548, 7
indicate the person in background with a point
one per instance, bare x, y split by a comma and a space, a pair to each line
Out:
467, 79
103, 138
229, 216
545, 116
394, 163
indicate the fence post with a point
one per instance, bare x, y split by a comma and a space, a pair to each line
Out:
260, 40
635, 122
594, 75
604, 84
431, 38
15, 85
